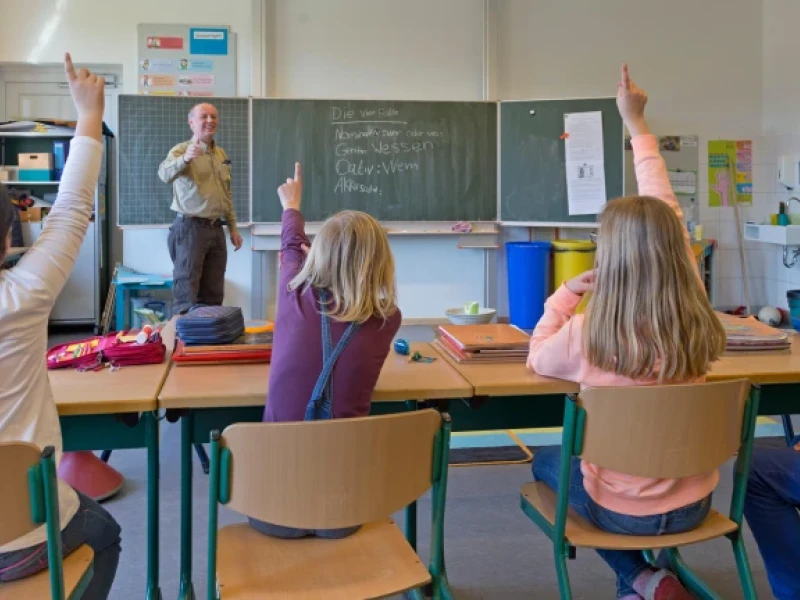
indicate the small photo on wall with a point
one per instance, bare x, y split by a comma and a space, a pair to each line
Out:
669, 143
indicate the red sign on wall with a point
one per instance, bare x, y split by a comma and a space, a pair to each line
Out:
165, 43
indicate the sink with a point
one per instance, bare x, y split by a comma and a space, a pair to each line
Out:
788, 235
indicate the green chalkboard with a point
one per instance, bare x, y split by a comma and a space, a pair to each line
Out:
533, 182
398, 161
149, 126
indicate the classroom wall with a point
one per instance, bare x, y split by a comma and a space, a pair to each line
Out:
715, 69
781, 120
699, 61
416, 50
105, 31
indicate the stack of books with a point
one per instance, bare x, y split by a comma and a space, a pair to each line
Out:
476, 344
749, 334
255, 346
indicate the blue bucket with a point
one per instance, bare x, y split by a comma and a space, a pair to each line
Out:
528, 281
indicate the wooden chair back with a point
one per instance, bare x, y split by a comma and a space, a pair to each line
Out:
668, 431
330, 474
16, 459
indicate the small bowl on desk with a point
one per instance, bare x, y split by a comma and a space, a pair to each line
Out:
458, 316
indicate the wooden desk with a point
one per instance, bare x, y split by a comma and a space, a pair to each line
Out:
107, 410
218, 386
508, 380
760, 367
126, 390
214, 396
516, 398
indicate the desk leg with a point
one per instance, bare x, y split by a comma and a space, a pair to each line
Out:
151, 433
411, 509
788, 429
187, 425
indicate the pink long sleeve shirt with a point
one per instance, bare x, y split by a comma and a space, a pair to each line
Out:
556, 351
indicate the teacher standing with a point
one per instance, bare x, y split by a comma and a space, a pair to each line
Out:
200, 174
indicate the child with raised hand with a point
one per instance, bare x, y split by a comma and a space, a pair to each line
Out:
27, 294
648, 322
337, 316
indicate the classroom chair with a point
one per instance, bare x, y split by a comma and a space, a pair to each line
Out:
325, 475
662, 432
30, 499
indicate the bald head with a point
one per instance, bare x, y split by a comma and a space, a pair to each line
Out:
203, 122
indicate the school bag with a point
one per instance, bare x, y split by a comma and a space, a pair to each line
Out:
91, 353
210, 325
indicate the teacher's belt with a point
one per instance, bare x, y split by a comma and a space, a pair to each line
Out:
201, 220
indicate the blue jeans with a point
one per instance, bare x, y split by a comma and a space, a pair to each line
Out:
91, 525
770, 507
293, 533
627, 565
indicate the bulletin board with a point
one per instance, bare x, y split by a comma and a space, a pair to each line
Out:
186, 60
681, 153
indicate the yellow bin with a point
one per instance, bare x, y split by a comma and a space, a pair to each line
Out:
570, 259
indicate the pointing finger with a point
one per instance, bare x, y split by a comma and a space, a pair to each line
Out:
297, 171
69, 68
626, 78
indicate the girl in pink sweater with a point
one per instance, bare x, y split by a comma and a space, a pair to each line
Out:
648, 322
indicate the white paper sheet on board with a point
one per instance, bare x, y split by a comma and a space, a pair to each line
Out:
585, 162
683, 182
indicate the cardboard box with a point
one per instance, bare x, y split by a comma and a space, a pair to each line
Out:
31, 215
9, 173
38, 160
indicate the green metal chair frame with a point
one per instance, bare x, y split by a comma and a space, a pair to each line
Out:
43, 499
571, 446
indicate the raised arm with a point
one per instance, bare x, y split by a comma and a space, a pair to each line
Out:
45, 268
651, 170
294, 242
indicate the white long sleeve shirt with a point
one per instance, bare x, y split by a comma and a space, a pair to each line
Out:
27, 294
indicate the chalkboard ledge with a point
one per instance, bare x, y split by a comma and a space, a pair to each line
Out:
393, 228
241, 225
550, 224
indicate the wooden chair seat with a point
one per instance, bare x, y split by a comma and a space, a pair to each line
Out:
583, 534
375, 562
77, 571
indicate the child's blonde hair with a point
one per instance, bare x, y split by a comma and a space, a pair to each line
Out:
649, 315
352, 260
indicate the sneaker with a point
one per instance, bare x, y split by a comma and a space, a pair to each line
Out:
665, 586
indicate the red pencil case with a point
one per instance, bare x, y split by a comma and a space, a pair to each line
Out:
94, 351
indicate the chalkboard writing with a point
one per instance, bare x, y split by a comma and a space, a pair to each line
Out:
399, 161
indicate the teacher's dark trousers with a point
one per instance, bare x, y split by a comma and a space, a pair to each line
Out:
199, 255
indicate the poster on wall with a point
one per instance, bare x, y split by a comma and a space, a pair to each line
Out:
185, 60
730, 172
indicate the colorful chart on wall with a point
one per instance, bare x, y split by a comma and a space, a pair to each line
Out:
181, 60
730, 172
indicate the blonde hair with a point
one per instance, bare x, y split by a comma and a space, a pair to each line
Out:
351, 259
649, 315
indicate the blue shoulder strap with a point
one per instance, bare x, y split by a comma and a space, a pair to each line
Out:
320, 407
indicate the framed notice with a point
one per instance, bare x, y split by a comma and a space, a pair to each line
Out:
186, 60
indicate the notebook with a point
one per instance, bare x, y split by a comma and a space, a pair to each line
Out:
496, 336
748, 333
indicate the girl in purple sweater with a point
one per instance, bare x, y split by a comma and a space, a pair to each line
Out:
337, 316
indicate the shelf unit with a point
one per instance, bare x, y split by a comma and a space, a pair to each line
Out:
82, 299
